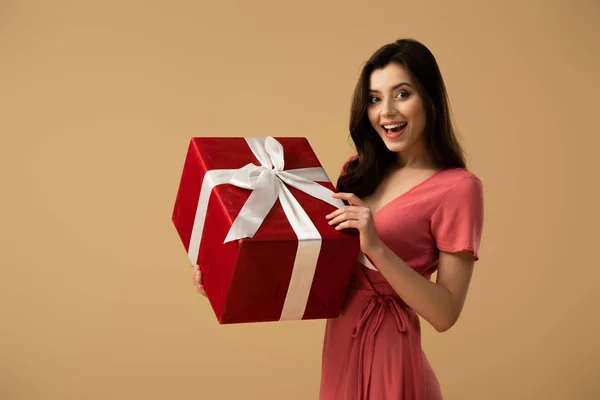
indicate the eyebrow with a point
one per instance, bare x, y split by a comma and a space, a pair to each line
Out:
395, 87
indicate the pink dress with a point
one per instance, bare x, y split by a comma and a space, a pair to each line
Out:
373, 350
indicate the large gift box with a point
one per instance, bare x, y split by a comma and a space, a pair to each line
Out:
251, 212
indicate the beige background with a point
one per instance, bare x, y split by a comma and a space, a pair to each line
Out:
99, 99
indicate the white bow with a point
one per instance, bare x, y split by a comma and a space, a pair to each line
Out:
267, 183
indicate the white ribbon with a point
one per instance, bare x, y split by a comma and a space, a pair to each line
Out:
268, 183
362, 258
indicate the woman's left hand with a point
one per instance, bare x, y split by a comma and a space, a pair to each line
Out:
357, 215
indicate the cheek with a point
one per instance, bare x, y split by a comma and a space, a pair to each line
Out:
373, 117
414, 111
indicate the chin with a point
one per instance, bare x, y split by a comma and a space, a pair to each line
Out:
395, 147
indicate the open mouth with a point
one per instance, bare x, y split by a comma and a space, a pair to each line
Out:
394, 128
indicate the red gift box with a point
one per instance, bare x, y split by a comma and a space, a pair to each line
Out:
251, 212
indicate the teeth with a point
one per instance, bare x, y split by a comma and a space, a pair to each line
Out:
388, 127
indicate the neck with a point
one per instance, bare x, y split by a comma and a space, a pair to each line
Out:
416, 157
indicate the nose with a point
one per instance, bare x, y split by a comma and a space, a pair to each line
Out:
387, 109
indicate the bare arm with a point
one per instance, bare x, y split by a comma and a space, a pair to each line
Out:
439, 303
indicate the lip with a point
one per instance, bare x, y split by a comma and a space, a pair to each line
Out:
394, 135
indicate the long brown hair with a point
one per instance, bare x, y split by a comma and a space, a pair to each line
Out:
362, 175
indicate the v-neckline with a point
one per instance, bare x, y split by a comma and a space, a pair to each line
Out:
411, 189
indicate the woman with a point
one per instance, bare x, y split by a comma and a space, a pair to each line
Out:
418, 210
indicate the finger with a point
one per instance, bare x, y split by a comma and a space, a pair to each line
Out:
198, 281
348, 224
198, 277
344, 217
344, 196
351, 198
344, 209
195, 275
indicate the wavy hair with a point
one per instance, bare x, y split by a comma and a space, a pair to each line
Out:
364, 173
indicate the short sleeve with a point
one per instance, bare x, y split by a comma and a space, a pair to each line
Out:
457, 223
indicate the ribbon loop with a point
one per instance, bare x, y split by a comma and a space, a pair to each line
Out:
275, 150
256, 208
268, 184
246, 177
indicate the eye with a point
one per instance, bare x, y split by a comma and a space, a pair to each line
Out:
373, 99
401, 94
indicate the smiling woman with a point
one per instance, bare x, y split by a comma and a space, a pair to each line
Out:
418, 210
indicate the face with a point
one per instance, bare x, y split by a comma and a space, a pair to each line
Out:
396, 109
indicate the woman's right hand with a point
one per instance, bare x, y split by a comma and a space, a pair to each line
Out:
198, 282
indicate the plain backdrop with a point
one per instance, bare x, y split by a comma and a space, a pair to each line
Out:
99, 99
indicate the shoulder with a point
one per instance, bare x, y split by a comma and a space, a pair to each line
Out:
460, 196
459, 177
459, 185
